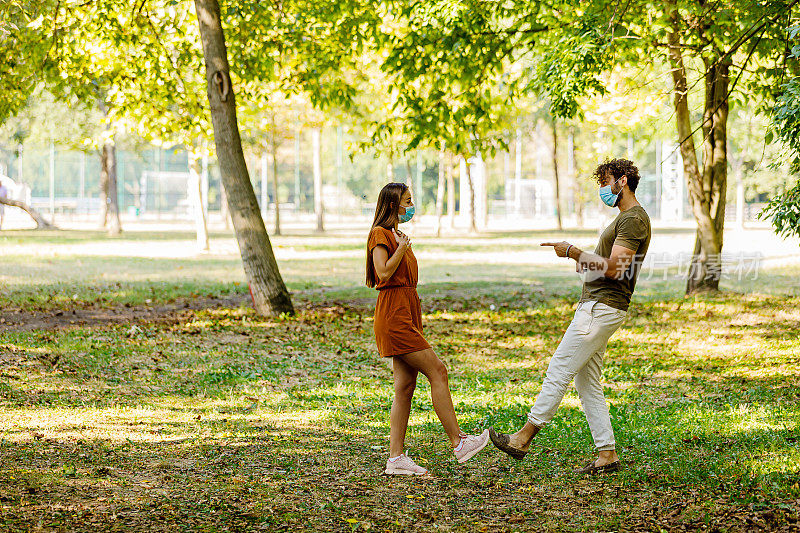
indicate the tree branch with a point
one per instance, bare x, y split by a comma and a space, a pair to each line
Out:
41, 222
730, 90
748, 34
54, 42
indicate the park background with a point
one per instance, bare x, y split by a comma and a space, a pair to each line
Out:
515, 187
148, 384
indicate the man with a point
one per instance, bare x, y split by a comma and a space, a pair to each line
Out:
609, 276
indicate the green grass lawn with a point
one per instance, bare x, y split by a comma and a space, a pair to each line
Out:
214, 419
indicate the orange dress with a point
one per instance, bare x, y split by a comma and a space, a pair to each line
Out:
398, 313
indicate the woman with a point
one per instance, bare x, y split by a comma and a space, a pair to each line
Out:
392, 269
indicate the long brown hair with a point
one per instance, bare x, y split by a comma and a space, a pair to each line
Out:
386, 216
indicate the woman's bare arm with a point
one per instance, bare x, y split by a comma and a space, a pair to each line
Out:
386, 266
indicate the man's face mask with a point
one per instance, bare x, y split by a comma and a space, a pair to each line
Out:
608, 196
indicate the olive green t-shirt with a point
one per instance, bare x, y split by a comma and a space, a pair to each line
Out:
630, 229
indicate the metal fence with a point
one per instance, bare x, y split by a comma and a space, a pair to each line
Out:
153, 183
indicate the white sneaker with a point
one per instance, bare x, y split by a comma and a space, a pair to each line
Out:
470, 445
403, 466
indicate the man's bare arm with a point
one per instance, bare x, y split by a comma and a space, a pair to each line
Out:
611, 267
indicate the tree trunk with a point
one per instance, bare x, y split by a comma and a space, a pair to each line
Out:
706, 189
196, 191
410, 185
706, 266
297, 134
518, 173
451, 195
41, 222
108, 180
473, 228
264, 183
418, 180
267, 289
440, 191
319, 205
555, 174
204, 181
739, 201
109, 210
538, 142
52, 188
274, 147
224, 212
506, 177
572, 160
103, 190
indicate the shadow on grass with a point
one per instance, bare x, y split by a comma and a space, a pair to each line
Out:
192, 485
275, 477
290, 411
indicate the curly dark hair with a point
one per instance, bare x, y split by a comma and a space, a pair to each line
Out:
617, 168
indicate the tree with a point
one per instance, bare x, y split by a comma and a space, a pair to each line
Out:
447, 67
784, 209
440, 191
274, 155
264, 126
198, 172
304, 47
316, 154
25, 46
45, 120
724, 42
109, 199
451, 192
267, 289
83, 66
634, 104
109, 208
20, 24
554, 126
731, 40
148, 54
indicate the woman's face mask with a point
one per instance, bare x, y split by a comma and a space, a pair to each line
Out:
607, 195
408, 215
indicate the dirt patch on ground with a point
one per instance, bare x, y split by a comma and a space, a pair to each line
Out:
97, 316
103, 316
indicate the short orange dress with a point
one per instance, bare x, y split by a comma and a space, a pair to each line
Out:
398, 313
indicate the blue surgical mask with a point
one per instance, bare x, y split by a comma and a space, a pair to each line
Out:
408, 215
607, 195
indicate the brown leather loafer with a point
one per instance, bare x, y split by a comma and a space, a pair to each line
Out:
501, 442
605, 469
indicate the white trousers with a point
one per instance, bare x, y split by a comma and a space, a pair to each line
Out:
579, 356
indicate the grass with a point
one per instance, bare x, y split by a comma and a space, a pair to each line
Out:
214, 419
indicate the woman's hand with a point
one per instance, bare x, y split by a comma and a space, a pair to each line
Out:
403, 241
386, 266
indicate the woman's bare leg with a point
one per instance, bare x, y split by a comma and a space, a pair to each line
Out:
405, 381
433, 368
